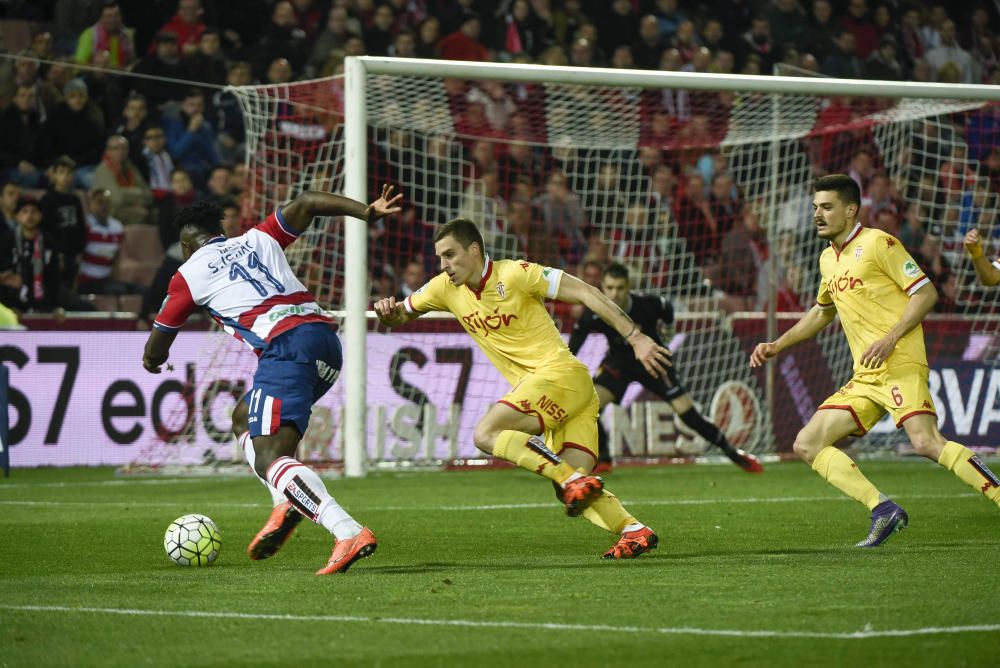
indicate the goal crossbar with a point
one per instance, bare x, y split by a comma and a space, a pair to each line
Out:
604, 76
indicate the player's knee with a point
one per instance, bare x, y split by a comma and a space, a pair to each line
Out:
484, 436
927, 443
806, 447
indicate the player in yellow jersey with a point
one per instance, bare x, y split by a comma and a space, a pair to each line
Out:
500, 304
988, 272
881, 295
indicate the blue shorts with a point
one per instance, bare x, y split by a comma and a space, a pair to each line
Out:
296, 369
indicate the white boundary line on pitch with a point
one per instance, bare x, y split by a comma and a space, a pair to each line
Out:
118, 482
863, 634
497, 506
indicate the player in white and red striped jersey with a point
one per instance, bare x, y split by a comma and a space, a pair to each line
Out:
247, 286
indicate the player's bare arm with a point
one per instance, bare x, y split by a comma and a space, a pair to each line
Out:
811, 324
655, 358
300, 212
920, 304
988, 274
157, 349
392, 313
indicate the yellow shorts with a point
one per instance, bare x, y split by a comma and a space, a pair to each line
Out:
901, 391
563, 398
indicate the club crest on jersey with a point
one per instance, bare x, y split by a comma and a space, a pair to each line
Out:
501, 290
857, 252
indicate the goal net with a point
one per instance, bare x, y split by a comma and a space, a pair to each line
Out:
703, 194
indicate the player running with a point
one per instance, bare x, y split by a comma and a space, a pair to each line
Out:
500, 304
619, 368
247, 286
987, 272
882, 296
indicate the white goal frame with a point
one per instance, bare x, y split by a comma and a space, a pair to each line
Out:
357, 69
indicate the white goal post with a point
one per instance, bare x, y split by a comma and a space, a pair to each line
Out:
358, 70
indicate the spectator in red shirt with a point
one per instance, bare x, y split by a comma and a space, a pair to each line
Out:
464, 44
859, 23
187, 25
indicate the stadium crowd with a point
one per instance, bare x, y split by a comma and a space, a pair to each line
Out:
94, 163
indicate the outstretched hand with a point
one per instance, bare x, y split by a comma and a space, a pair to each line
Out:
973, 243
762, 353
654, 357
386, 205
389, 312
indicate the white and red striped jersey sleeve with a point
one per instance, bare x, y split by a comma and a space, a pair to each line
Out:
276, 228
177, 307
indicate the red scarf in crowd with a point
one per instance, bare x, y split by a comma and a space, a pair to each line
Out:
102, 42
37, 263
123, 175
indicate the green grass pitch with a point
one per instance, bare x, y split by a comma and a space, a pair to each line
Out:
483, 569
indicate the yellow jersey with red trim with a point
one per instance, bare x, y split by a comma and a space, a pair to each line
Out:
870, 281
506, 316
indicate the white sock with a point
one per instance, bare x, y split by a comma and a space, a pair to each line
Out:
337, 521
305, 490
635, 526
247, 444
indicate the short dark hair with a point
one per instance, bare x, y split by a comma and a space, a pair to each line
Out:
615, 270
64, 161
847, 189
203, 215
465, 232
24, 201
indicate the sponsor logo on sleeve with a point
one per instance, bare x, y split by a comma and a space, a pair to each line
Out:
911, 269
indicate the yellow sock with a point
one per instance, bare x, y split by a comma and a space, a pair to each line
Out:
608, 513
838, 470
530, 453
966, 465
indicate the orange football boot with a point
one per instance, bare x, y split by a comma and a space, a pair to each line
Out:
579, 493
284, 518
346, 552
632, 544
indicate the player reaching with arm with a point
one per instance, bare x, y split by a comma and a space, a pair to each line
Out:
987, 272
247, 286
882, 296
619, 368
547, 422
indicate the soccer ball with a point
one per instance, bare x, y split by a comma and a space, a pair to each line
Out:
192, 540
